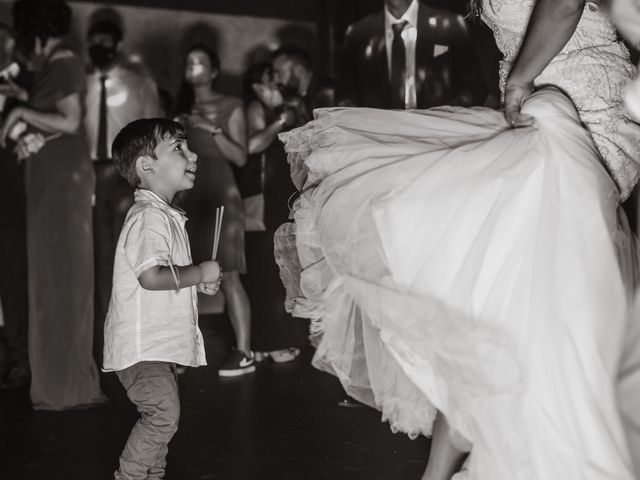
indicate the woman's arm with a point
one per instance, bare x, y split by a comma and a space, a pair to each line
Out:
551, 25
234, 144
67, 117
262, 135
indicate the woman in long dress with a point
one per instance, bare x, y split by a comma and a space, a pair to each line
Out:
217, 133
473, 280
59, 186
276, 334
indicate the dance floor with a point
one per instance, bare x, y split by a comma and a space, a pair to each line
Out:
281, 422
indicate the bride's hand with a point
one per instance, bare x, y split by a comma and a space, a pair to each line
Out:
514, 96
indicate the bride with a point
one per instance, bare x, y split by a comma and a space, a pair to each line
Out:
472, 276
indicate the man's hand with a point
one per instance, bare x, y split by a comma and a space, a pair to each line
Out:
514, 96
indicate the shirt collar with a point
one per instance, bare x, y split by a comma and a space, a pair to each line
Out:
410, 16
114, 69
142, 194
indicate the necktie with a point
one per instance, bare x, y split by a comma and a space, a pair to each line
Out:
398, 66
102, 150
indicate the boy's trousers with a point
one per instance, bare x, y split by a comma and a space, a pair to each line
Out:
153, 388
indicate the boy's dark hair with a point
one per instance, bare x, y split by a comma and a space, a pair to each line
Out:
140, 138
106, 27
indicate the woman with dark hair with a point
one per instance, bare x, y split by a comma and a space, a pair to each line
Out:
276, 334
215, 125
59, 185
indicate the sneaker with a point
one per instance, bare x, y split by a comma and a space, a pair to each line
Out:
237, 364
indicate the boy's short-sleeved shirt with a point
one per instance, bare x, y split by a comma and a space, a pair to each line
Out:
146, 325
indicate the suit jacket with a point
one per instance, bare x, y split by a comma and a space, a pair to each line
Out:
450, 78
320, 92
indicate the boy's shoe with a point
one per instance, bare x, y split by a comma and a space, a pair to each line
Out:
237, 364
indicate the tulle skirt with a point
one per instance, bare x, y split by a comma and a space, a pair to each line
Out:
449, 263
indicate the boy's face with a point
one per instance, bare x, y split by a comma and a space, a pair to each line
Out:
174, 169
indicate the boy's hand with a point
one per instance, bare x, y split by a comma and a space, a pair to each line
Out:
209, 288
210, 271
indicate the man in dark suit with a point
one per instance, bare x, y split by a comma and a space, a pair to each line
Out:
295, 76
410, 55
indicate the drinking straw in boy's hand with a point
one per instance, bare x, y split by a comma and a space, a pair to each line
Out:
216, 234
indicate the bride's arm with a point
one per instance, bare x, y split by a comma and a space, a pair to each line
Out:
626, 15
551, 25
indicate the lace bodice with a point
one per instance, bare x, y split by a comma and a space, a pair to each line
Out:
592, 69
509, 18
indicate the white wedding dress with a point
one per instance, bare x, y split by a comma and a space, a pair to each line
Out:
451, 263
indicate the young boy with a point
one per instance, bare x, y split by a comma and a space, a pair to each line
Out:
152, 322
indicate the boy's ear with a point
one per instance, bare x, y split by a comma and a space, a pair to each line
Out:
144, 166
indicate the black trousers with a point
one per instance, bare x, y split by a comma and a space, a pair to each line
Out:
114, 197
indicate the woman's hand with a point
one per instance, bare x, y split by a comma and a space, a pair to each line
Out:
514, 96
10, 121
197, 120
12, 89
271, 97
29, 144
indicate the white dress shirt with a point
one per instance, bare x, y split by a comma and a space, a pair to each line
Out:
151, 325
409, 36
131, 94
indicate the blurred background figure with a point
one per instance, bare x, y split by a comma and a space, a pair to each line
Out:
13, 255
411, 55
266, 178
59, 187
216, 129
295, 76
118, 91
626, 15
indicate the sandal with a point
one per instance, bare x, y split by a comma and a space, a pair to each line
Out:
284, 355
